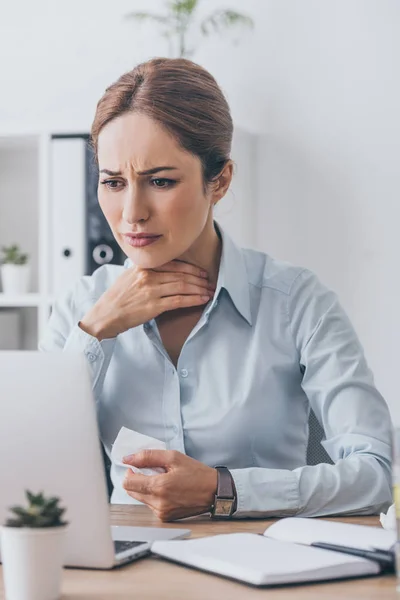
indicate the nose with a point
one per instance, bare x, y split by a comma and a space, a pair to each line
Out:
135, 207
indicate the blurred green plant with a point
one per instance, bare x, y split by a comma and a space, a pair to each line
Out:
40, 512
181, 16
12, 255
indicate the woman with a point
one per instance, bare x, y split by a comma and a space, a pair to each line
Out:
218, 351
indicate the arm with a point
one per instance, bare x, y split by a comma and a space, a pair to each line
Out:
89, 318
341, 391
63, 332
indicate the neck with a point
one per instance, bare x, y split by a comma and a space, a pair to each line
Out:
205, 252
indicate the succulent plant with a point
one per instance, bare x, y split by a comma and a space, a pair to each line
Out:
41, 512
12, 255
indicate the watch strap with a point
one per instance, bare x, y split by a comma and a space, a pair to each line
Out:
225, 483
225, 498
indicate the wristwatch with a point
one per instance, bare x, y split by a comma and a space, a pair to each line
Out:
225, 498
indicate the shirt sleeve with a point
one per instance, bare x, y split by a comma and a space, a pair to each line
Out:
341, 391
64, 334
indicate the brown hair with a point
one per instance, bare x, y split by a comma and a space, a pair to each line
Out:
184, 98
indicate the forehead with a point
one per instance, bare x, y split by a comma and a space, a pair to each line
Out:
137, 140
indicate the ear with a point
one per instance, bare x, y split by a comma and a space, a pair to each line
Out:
221, 185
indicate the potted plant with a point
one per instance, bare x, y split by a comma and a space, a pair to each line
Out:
15, 270
32, 549
179, 23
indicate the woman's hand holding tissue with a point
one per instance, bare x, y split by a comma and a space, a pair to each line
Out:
186, 488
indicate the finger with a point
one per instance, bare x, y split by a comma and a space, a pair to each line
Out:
168, 277
137, 483
181, 301
150, 459
150, 501
177, 288
178, 266
145, 499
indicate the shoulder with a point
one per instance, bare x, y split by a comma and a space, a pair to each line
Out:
303, 298
264, 271
299, 288
89, 288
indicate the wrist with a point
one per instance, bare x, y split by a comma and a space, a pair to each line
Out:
212, 488
93, 328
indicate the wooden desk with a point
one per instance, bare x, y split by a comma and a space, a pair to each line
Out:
158, 579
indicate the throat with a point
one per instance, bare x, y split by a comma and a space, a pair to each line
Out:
175, 327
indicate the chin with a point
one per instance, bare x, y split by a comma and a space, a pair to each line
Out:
146, 259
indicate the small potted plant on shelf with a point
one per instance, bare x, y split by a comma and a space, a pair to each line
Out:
15, 270
32, 549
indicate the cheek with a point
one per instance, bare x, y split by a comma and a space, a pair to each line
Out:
110, 207
187, 205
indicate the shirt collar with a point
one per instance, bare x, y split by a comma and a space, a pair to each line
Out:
232, 275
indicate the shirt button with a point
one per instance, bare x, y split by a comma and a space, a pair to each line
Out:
175, 429
184, 372
91, 357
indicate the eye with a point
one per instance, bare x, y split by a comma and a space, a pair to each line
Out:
109, 183
160, 182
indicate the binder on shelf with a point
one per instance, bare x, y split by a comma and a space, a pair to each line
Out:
101, 246
67, 221
81, 239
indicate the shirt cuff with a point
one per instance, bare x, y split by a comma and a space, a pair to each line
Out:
266, 492
98, 354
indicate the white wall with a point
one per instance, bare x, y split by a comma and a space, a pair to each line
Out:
329, 181
320, 78
237, 209
58, 57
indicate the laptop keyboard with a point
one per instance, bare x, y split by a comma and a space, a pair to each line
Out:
123, 546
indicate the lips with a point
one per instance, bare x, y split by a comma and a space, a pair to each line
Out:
139, 240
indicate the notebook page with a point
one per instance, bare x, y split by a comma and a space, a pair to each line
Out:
308, 531
262, 561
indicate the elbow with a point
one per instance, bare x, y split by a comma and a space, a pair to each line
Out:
357, 485
383, 488
379, 497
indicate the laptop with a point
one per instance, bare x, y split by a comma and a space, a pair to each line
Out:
49, 441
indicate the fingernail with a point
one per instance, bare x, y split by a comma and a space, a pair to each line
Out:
205, 298
128, 458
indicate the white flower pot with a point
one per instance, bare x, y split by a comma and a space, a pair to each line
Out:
32, 562
15, 278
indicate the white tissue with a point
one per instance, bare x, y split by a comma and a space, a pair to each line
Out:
129, 442
388, 521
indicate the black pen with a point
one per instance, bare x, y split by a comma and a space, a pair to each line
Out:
385, 558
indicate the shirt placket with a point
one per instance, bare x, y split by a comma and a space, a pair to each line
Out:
171, 404
178, 382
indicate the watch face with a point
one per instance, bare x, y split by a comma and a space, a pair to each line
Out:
223, 507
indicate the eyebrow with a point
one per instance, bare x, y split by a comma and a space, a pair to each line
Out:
147, 172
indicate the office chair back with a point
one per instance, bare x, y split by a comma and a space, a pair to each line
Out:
316, 453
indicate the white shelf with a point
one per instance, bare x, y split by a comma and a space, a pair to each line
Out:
7, 300
26, 159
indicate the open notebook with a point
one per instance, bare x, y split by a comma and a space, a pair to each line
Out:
283, 554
